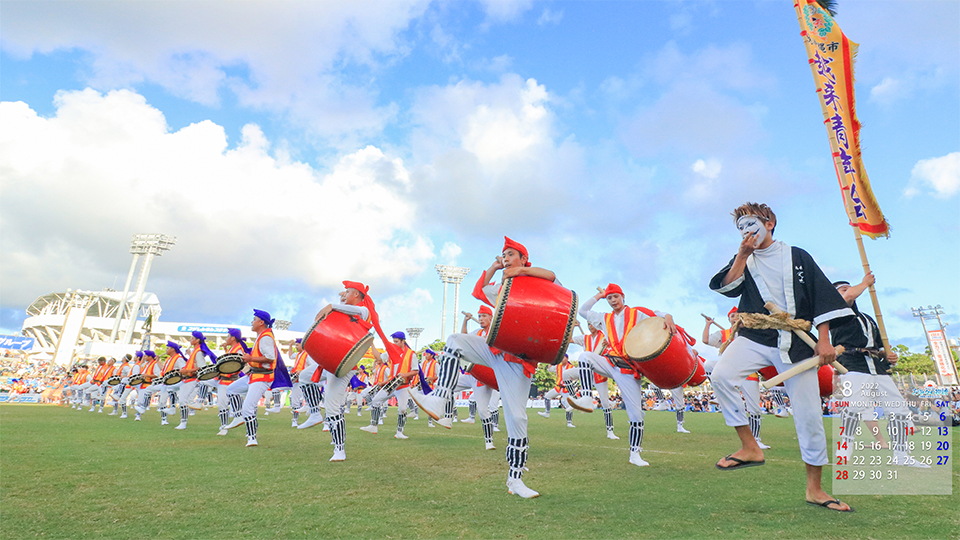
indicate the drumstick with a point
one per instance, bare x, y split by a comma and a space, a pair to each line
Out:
772, 308
806, 365
601, 289
712, 321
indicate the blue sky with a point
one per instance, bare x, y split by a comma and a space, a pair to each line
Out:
290, 146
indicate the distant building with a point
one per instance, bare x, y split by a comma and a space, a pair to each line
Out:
47, 315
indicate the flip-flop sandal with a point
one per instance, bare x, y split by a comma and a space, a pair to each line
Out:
826, 504
740, 464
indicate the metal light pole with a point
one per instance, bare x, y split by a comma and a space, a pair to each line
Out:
455, 275
154, 245
414, 333
137, 249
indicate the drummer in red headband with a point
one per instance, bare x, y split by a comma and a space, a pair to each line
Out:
616, 325
355, 301
513, 377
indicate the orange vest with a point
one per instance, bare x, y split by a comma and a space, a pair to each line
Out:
301, 362
98, 374
379, 374
724, 335
615, 341
192, 363
560, 369
261, 377
404, 365
589, 342
172, 361
149, 370
430, 368
109, 372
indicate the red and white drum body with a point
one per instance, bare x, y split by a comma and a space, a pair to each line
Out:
338, 342
825, 378
668, 360
483, 374
533, 319
699, 375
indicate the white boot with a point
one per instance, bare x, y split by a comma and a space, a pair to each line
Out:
339, 455
681, 429
182, 425
612, 435
583, 403
313, 420
515, 486
236, 422
369, 429
635, 459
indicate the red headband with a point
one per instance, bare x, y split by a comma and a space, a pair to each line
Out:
510, 244
732, 311
356, 285
612, 288
485, 309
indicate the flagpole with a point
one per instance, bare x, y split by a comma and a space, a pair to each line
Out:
866, 267
845, 193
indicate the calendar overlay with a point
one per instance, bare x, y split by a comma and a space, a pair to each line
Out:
868, 465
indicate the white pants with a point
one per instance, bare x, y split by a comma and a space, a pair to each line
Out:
629, 386
296, 397
255, 391
751, 396
514, 384
750, 390
238, 386
482, 395
603, 391
464, 383
679, 402
188, 392
165, 393
868, 391
335, 392
146, 394
402, 395
744, 357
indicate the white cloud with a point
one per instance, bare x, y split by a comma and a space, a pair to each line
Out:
297, 58
505, 10
398, 312
77, 185
942, 174
548, 16
708, 169
450, 252
490, 154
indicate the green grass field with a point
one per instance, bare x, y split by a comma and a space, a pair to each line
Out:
70, 474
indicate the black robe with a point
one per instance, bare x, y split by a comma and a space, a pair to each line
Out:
810, 296
860, 332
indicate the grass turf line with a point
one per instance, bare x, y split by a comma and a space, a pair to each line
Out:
70, 474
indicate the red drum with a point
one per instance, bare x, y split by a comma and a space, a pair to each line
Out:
533, 320
483, 374
668, 360
699, 375
337, 342
825, 377
769, 372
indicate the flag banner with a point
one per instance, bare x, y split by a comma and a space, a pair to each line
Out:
831, 55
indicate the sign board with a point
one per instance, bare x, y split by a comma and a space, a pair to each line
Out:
942, 358
19, 343
187, 328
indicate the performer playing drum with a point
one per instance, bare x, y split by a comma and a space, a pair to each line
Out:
513, 375
617, 325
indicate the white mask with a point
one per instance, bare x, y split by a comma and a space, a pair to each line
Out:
752, 224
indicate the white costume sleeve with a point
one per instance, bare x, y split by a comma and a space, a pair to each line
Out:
593, 317
716, 339
359, 311
268, 348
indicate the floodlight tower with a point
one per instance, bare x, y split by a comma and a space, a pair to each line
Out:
153, 245
414, 332
455, 275
137, 248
